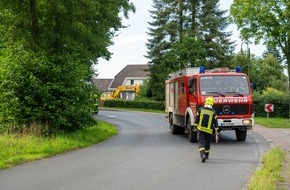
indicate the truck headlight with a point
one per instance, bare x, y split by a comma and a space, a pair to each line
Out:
247, 122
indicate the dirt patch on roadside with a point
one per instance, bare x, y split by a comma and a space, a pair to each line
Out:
279, 138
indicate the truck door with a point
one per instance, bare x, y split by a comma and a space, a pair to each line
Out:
182, 105
192, 94
176, 98
169, 97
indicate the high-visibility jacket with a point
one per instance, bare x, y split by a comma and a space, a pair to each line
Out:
206, 120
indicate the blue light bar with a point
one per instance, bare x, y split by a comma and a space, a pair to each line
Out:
201, 70
238, 69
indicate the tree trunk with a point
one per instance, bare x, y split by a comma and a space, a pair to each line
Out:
180, 29
194, 5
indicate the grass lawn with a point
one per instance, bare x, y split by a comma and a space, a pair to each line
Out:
273, 122
18, 149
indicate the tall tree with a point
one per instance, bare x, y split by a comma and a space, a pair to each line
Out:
265, 72
185, 33
268, 20
164, 30
217, 43
45, 52
275, 52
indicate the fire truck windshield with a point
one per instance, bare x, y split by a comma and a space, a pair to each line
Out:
222, 85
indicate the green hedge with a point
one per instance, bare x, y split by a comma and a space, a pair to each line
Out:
149, 105
280, 100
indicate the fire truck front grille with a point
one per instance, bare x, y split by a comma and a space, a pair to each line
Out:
241, 109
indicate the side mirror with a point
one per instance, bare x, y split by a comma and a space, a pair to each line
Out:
190, 82
190, 91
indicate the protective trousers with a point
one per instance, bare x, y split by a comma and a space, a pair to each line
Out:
204, 140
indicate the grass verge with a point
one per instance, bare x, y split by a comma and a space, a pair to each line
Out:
18, 149
273, 122
268, 176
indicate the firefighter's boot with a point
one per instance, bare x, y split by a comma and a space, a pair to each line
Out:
206, 155
203, 158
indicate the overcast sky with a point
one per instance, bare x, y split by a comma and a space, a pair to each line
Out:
129, 47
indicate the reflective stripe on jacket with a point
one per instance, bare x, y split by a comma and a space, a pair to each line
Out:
206, 119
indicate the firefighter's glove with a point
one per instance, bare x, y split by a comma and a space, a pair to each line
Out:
216, 131
217, 139
217, 135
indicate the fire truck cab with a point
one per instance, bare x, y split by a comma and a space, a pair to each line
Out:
186, 90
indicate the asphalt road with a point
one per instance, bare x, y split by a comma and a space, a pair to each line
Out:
143, 156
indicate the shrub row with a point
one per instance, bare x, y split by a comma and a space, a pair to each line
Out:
281, 103
137, 104
280, 100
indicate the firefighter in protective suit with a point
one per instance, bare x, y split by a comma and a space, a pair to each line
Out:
206, 123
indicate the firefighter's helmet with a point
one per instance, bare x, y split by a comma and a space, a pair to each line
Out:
209, 101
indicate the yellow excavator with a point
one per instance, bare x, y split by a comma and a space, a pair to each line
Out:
126, 92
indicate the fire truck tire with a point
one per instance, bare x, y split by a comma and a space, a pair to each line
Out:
241, 135
191, 133
174, 129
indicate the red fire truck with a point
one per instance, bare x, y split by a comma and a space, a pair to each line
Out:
186, 90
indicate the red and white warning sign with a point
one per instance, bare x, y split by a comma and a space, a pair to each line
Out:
269, 107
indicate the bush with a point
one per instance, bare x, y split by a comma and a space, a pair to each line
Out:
43, 89
137, 104
280, 100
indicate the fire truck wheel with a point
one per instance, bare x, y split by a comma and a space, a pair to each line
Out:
241, 135
191, 133
174, 129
